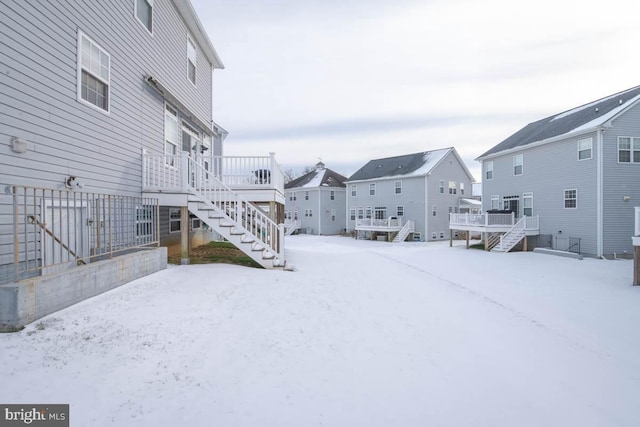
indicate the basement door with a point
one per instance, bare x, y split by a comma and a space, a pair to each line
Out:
65, 235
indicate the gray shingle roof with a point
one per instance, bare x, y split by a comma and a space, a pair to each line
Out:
328, 179
568, 121
408, 164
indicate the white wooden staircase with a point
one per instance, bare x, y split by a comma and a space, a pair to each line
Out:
512, 237
408, 228
235, 218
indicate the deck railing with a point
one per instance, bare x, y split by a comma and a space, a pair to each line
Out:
163, 171
391, 222
484, 220
48, 230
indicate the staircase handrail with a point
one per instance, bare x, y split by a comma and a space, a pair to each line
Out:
519, 225
235, 208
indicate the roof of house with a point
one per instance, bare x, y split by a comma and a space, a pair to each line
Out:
197, 30
320, 177
576, 120
407, 165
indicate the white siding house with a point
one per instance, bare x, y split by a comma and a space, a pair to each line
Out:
577, 171
316, 202
408, 196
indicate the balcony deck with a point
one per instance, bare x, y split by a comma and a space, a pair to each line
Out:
491, 223
388, 225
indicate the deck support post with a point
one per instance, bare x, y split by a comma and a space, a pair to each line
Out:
468, 234
184, 235
524, 249
450, 238
636, 261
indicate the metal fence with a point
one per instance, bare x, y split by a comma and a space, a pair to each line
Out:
44, 230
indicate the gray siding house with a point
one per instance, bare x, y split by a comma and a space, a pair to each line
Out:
107, 143
408, 196
316, 202
577, 171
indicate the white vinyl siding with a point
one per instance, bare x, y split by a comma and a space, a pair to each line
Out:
94, 74
585, 149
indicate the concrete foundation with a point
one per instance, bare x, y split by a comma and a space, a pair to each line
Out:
28, 300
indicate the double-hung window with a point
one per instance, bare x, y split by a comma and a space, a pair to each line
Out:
527, 204
94, 73
495, 202
517, 164
488, 170
452, 187
352, 214
354, 190
372, 189
174, 220
571, 199
585, 149
628, 149
171, 135
441, 186
332, 195
398, 187
191, 60
144, 13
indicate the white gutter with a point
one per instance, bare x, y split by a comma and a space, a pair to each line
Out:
599, 188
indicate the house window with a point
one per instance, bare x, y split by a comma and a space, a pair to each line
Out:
308, 212
144, 13
570, 199
400, 211
174, 220
584, 149
495, 202
517, 164
380, 212
352, 214
488, 170
333, 214
442, 234
293, 196
452, 187
191, 60
332, 195
434, 210
434, 236
295, 215
398, 187
368, 212
462, 188
306, 195
527, 204
354, 190
171, 135
196, 223
372, 189
94, 73
441, 186
628, 150
360, 213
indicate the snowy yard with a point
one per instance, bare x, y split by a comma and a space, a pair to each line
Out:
362, 334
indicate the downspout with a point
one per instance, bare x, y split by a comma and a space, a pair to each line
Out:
319, 211
426, 207
599, 187
347, 216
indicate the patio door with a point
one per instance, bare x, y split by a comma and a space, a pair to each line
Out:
192, 144
512, 203
65, 235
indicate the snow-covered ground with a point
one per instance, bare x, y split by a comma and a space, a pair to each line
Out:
362, 334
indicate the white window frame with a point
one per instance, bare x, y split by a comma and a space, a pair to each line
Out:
372, 189
196, 223
397, 187
434, 235
585, 145
442, 235
352, 214
360, 212
354, 190
518, 161
527, 197
171, 113
135, 12
399, 211
632, 142
368, 212
495, 202
192, 57
175, 220
83, 66
333, 215
434, 210
306, 195
488, 170
452, 187
462, 188
568, 199
332, 195
441, 186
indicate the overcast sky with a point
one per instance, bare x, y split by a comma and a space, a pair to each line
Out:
347, 81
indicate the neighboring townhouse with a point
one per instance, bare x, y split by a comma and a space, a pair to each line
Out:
316, 202
407, 197
577, 173
107, 142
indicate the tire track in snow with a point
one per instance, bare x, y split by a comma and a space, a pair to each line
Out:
511, 310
